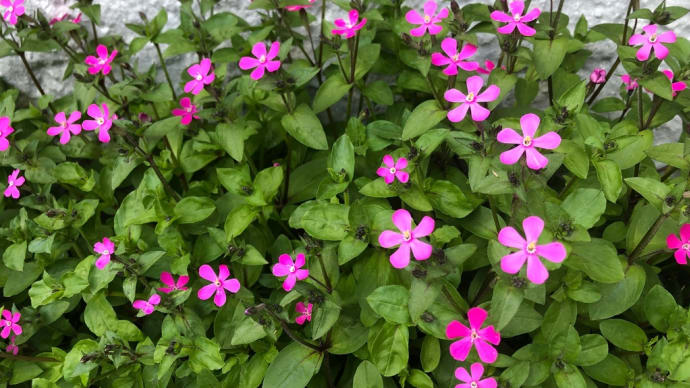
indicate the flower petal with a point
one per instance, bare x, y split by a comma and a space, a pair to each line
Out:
454, 95
479, 113
513, 262
458, 114
536, 271
643, 53
681, 256
300, 260
510, 237
167, 279
554, 252
660, 50
430, 8
459, 350
549, 141
509, 136
401, 257
477, 371
462, 375
402, 176
533, 227
413, 17
516, 7
220, 298
672, 242
388, 239
529, 124
476, 316
289, 282
402, 220
449, 46
501, 16
206, 291
486, 352
490, 94
388, 161
206, 272
474, 84
531, 15
456, 329
666, 37
420, 249
438, 59
273, 51
636, 39
526, 30
280, 270
232, 285
535, 160
685, 233
512, 156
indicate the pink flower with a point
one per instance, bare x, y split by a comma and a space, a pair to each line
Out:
348, 28
219, 284
393, 170
682, 245
14, 181
13, 9
105, 248
630, 83
66, 126
101, 121
516, 19
527, 144
454, 59
474, 335
650, 39
428, 21
147, 306
293, 8
263, 60
474, 380
187, 112
529, 250
286, 267
169, 281
9, 323
143, 117
12, 347
102, 63
675, 86
598, 76
489, 66
305, 313
5, 130
471, 100
407, 238
200, 76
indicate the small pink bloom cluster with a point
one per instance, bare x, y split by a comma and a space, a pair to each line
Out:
219, 284
14, 182
9, 323
393, 170
408, 239
598, 76
304, 312
262, 60
479, 338
428, 21
292, 270
348, 28
148, 306
516, 19
293, 8
13, 10
680, 245
100, 64
652, 39
527, 143
101, 122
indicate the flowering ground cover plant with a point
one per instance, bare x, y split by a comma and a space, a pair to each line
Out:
365, 201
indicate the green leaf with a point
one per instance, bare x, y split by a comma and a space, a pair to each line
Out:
569, 377
331, 91
430, 355
422, 295
390, 302
659, 306
594, 349
423, 118
367, 376
419, 379
597, 258
548, 55
505, 303
327, 221
379, 92
625, 335
611, 370
342, 157
573, 98
305, 127
651, 189
576, 159
222, 26
585, 206
447, 198
293, 367
631, 150
100, 317
610, 178
672, 154
75, 175
194, 209
73, 366
506, 83
232, 136
238, 220
14, 255
658, 84
558, 318
618, 297
325, 316
205, 355
388, 346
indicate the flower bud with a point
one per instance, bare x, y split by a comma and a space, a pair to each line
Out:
598, 76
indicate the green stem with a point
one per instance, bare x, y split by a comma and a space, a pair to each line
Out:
329, 286
289, 332
647, 237
494, 214
353, 65
165, 70
640, 107
655, 108
28, 358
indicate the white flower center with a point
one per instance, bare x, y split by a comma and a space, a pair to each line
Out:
10, 9
101, 61
470, 97
455, 57
686, 246
307, 314
531, 247
427, 19
392, 170
262, 59
474, 335
188, 109
217, 282
10, 183
292, 269
527, 141
64, 125
407, 235
8, 323
105, 252
199, 77
473, 384
652, 38
100, 120
517, 17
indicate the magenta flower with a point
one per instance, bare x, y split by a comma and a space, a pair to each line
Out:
598, 76
529, 250
169, 281
305, 312
14, 181
102, 63
101, 121
516, 19
200, 76
428, 21
13, 9
474, 335
407, 238
12, 347
454, 59
293, 8
629, 82
9, 323
286, 267
5, 130
219, 284
104, 248
348, 28
489, 66
682, 245
652, 40
66, 126
393, 170
471, 100
147, 306
675, 86
475, 379
263, 61
527, 144
187, 112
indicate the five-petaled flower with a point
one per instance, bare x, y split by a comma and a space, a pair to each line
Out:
428, 21
102, 63
652, 40
304, 311
629, 82
348, 28
13, 9
5, 130
454, 59
471, 100
407, 239
293, 8
681, 245
12, 347
292, 269
10, 323
169, 281
147, 306
104, 248
219, 284
598, 76
66, 126
187, 112
263, 61
527, 143
473, 336
14, 181
102, 121
516, 19
474, 378
393, 170
200, 76
529, 251
676, 87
